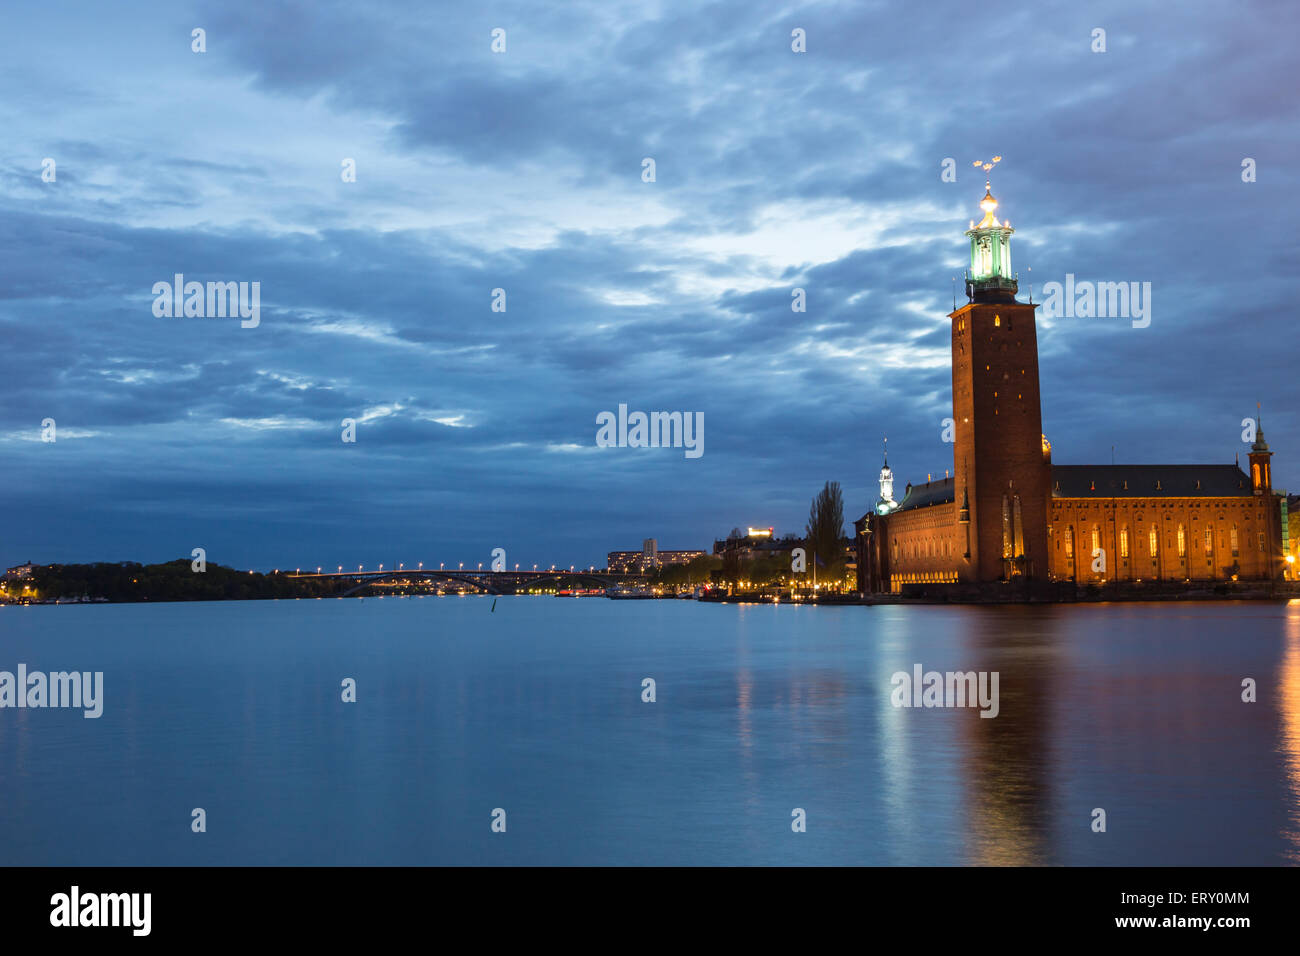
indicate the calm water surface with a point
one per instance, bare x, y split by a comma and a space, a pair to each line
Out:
536, 708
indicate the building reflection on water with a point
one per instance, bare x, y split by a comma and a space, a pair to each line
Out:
1289, 727
1007, 759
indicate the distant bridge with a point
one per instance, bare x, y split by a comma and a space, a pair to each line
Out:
484, 582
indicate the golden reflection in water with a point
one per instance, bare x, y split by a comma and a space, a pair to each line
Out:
1008, 757
1289, 739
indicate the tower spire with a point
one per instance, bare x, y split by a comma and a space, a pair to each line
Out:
1260, 443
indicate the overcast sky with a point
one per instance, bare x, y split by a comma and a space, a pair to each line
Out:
522, 171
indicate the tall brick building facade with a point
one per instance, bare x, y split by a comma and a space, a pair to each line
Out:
1008, 513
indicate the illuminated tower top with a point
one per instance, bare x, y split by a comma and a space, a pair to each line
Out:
989, 278
886, 503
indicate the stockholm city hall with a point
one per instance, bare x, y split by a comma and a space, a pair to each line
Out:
1007, 515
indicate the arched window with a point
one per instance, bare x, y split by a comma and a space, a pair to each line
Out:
1096, 540
1182, 541
1232, 537
1123, 542
1069, 541
1019, 532
1155, 542
1209, 542
1006, 529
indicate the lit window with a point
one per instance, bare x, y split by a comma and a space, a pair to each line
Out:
1155, 542
1209, 541
1123, 542
1069, 541
1182, 542
1233, 539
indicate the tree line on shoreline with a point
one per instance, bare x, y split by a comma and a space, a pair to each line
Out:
129, 581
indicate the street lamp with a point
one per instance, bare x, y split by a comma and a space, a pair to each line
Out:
421, 565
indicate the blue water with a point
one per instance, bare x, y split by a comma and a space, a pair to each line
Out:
536, 708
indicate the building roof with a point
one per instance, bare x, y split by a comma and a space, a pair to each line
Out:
1150, 481
931, 493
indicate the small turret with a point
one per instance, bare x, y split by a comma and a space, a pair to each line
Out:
1261, 477
886, 503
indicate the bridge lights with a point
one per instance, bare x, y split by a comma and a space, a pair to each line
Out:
480, 565
516, 565
340, 569
462, 566
401, 567
534, 567
421, 565
318, 570
381, 567
440, 565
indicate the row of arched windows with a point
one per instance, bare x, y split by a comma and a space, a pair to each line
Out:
923, 548
1153, 541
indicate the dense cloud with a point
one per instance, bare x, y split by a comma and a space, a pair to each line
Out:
522, 171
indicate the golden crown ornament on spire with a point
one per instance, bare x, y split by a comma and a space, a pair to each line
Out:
988, 203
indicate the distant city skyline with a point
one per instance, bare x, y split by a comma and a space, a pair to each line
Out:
522, 171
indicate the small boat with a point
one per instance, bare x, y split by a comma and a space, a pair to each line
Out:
622, 592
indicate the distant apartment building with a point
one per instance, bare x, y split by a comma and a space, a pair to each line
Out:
648, 559
22, 572
756, 543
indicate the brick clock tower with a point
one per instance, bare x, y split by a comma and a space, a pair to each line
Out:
1001, 460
